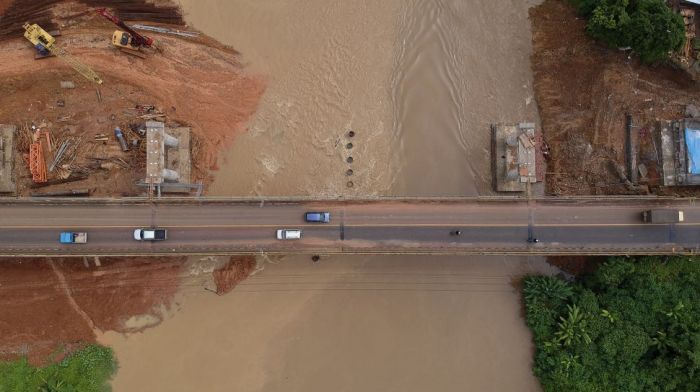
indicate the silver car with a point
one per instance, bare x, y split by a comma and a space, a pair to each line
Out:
289, 234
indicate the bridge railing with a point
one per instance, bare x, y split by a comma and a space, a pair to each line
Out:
646, 200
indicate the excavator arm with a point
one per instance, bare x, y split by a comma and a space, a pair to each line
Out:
136, 38
41, 39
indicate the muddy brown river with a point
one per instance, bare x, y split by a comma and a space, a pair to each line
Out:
419, 82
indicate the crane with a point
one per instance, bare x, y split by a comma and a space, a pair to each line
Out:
133, 39
44, 42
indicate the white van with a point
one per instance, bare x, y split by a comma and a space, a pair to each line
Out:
288, 234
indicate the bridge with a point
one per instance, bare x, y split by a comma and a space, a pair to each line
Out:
209, 226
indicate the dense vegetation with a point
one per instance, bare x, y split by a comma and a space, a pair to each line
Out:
634, 325
649, 27
87, 370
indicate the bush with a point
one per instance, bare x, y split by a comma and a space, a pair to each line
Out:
649, 27
609, 21
654, 30
87, 370
633, 325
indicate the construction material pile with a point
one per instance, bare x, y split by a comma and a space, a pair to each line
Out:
70, 157
50, 161
42, 13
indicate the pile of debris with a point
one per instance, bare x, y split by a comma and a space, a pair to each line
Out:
40, 12
516, 152
48, 164
56, 154
689, 56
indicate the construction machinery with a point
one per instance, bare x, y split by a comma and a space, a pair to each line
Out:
45, 43
129, 40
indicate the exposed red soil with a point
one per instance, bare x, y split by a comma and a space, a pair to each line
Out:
584, 90
198, 83
36, 317
236, 270
41, 315
49, 304
122, 287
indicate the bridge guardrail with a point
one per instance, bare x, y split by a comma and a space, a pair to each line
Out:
370, 199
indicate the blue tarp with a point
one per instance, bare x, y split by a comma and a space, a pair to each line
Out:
692, 142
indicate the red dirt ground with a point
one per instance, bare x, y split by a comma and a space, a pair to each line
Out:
49, 304
36, 317
198, 83
235, 271
40, 314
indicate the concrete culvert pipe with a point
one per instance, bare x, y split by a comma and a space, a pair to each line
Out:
170, 175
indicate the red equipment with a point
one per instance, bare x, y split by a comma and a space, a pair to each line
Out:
136, 38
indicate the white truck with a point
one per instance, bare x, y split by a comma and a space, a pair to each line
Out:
150, 234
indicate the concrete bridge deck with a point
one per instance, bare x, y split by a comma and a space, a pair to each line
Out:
564, 226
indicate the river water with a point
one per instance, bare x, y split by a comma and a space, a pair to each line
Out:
418, 81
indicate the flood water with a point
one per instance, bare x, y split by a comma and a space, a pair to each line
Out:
327, 64
343, 324
458, 67
419, 82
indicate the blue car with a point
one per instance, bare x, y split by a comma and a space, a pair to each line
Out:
318, 217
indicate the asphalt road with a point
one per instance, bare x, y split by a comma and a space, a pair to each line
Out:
356, 227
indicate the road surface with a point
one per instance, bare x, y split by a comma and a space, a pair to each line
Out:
488, 227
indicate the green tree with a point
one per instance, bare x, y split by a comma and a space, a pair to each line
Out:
654, 30
608, 22
572, 329
633, 325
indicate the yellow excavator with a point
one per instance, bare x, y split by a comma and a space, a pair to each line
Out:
46, 44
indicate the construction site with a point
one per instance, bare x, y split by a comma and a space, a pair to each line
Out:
603, 111
122, 98
80, 85
108, 102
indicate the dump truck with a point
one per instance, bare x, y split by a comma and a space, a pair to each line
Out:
665, 215
70, 237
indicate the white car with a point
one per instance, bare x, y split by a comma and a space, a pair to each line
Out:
150, 234
288, 234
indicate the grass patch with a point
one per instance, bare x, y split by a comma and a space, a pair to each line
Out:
86, 370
